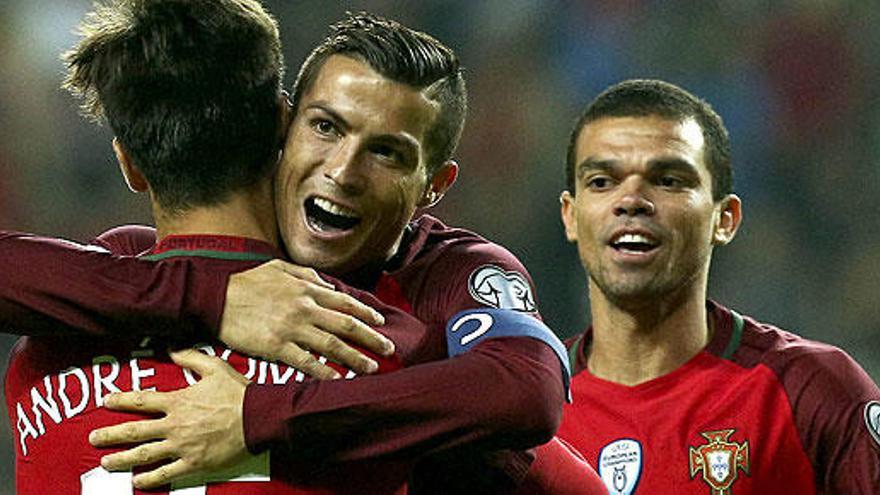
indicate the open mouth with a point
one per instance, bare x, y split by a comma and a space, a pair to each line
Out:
325, 216
634, 243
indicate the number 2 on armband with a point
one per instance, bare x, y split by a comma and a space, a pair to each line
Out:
485, 323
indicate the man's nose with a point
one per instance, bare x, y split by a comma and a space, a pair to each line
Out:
344, 169
633, 200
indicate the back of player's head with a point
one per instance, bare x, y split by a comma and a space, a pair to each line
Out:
646, 97
190, 88
404, 56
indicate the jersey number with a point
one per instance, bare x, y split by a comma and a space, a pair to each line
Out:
99, 481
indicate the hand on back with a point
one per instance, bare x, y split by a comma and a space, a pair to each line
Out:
284, 312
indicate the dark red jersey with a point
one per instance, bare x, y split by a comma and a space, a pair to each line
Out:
559, 469
759, 411
436, 406
55, 388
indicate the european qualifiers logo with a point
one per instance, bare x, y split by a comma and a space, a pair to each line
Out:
720, 460
496, 288
620, 466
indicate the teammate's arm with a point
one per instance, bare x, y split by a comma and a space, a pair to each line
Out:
504, 393
51, 286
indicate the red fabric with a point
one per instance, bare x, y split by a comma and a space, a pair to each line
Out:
560, 470
55, 385
430, 408
797, 404
51, 286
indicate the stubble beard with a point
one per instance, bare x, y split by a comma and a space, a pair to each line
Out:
632, 291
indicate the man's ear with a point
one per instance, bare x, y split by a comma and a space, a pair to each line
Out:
439, 183
728, 218
132, 175
569, 215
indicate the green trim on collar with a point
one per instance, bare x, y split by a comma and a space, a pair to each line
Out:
573, 352
207, 253
735, 335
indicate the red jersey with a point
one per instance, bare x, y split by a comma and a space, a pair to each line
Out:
759, 411
55, 388
429, 408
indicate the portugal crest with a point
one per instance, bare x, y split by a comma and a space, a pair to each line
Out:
719, 460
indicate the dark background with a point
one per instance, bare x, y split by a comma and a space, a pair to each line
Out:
797, 84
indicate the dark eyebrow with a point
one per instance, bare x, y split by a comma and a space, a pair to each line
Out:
407, 143
321, 106
593, 164
672, 164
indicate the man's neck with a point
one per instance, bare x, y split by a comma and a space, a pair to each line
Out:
249, 213
634, 345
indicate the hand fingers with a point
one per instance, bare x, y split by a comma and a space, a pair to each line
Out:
138, 456
301, 272
142, 401
163, 475
199, 362
323, 342
350, 329
304, 361
130, 432
347, 304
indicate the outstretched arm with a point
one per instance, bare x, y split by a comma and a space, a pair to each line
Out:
52, 286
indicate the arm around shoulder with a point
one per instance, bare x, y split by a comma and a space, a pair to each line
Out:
53, 286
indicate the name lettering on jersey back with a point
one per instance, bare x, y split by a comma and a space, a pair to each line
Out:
71, 392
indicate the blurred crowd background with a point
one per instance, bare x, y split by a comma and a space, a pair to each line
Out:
796, 81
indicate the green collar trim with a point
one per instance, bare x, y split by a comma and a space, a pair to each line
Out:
207, 253
735, 335
573, 352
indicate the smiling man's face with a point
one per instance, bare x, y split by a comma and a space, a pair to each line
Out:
354, 167
642, 212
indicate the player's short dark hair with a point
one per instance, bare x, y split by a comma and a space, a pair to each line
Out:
645, 97
190, 88
405, 56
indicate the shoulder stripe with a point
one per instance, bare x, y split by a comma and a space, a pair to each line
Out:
735, 335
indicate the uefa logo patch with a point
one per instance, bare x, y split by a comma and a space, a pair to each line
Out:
620, 466
496, 288
872, 419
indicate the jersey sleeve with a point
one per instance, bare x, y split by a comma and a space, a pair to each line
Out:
479, 275
837, 413
52, 286
559, 469
502, 394
127, 240
485, 277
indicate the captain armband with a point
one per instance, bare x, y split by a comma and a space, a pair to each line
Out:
467, 328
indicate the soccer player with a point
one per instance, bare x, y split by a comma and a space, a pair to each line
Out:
148, 67
674, 393
336, 421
